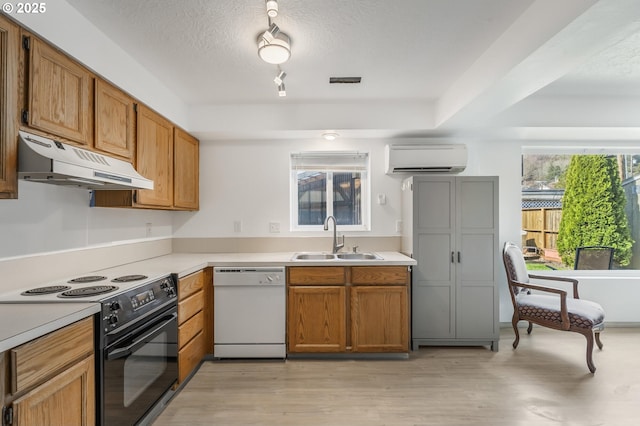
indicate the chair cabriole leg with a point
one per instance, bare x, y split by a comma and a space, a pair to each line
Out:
514, 322
598, 342
588, 334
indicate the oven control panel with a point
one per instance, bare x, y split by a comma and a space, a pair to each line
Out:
136, 302
141, 299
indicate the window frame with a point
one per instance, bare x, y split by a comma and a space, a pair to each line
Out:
320, 161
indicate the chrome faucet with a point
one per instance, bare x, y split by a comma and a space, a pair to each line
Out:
336, 246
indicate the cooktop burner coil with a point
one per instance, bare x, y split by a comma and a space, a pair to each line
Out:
45, 290
87, 279
129, 278
88, 291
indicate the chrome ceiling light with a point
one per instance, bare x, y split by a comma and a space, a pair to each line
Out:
281, 92
279, 81
272, 8
274, 46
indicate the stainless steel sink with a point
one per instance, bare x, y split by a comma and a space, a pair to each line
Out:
313, 256
337, 256
358, 256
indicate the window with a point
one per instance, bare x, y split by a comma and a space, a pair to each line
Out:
330, 184
580, 199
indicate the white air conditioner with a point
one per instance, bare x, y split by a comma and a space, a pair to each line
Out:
417, 159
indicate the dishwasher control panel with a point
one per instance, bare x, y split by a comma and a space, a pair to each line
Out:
243, 276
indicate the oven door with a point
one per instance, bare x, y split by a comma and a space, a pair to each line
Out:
139, 369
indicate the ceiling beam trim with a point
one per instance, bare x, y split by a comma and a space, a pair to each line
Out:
546, 42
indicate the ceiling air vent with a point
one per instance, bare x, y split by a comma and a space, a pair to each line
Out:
345, 80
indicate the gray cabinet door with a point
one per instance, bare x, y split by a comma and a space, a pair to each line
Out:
477, 242
455, 238
433, 291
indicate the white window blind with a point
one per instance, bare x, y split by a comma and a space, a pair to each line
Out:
330, 160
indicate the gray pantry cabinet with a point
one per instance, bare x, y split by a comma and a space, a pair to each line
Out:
453, 235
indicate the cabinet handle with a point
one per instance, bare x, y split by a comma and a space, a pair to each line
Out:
459, 257
453, 260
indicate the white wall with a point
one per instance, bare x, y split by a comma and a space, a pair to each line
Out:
249, 181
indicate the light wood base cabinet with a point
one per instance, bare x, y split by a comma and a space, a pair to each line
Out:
348, 309
52, 378
379, 319
316, 319
67, 399
194, 331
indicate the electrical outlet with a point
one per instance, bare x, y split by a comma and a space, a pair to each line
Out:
148, 227
398, 226
274, 227
237, 226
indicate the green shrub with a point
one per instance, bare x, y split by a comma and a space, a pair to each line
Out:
593, 209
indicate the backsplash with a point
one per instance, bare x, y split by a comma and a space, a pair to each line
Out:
282, 244
48, 218
42, 268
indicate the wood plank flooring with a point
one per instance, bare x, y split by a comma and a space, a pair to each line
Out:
543, 382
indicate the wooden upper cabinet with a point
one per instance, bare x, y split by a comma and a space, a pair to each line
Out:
154, 157
114, 121
60, 94
9, 58
185, 171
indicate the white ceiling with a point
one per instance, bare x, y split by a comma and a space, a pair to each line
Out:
428, 67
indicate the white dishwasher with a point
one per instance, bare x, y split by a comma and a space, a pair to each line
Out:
249, 312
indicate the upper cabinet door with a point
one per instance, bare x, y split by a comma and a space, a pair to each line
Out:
9, 54
185, 171
60, 94
114, 121
154, 158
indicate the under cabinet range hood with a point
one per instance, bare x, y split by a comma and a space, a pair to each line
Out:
46, 160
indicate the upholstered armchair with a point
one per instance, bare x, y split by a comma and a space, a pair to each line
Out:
548, 306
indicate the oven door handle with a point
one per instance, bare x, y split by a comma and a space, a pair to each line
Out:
137, 344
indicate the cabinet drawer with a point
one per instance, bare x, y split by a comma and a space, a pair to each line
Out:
42, 358
190, 284
190, 328
190, 306
190, 356
380, 275
316, 275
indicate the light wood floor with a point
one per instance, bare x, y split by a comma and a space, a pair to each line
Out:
543, 382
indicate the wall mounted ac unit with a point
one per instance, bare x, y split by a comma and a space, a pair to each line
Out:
420, 159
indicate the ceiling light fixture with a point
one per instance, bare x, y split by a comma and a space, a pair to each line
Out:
330, 136
280, 77
274, 46
272, 8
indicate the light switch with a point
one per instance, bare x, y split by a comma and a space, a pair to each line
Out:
382, 199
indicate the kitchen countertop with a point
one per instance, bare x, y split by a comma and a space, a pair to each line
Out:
186, 263
22, 322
